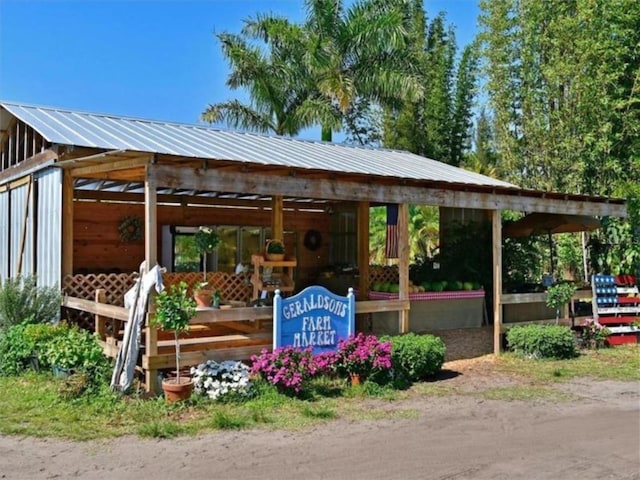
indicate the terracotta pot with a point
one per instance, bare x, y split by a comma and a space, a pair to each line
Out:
355, 379
177, 392
275, 257
203, 297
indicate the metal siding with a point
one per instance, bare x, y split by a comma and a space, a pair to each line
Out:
117, 133
18, 206
49, 221
4, 235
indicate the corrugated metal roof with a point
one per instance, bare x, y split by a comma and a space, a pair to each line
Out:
111, 132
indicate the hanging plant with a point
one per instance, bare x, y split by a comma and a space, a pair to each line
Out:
131, 229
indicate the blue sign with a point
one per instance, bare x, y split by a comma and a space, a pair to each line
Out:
313, 318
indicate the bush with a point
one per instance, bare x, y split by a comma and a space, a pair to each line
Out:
22, 347
363, 355
287, 368
542, 341
78, 350
223, 380
21, 300
416, 357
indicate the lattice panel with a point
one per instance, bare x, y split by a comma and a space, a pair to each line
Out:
383, 274
85, 286
231, 287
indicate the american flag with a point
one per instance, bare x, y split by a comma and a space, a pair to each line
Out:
391, 247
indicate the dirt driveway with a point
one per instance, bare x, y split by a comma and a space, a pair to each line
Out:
595, 435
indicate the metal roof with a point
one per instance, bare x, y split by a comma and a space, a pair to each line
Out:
112, 132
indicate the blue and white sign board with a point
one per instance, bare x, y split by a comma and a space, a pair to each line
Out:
314, 318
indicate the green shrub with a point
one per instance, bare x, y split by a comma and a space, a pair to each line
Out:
25, 346
21, 300
416, 357
542, 341
22, 347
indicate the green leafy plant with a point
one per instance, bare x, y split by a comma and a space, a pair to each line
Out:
542, 341
416, 357
206, 240
21, 300
74, 349
275, 246
559, 295
174, 310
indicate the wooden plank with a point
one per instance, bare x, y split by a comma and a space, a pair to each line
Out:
332, 189
403, 263
212, 315
100, 321
90, 306
110, 166
363, 250
496, 229
373, 306
150, 223
67, 224
211, 341
540, 297
36, 162
157, 362
23, 233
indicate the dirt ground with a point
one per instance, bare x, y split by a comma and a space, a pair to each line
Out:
594, 436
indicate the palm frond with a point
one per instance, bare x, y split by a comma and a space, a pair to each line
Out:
238, 115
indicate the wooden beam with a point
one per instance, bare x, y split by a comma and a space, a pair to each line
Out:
373, 306
150, 223
23, 233
36, 162
67, 224
90, 306
176, 177
110, 166
363, 250
496, 238
277, 218
403, 263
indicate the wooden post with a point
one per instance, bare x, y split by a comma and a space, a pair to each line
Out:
151, 258
362, 320
403, 263
23, 233
363, 250
100, 321
67, 224
496, 228
277, 221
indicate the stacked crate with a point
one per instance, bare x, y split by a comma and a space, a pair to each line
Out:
616, 305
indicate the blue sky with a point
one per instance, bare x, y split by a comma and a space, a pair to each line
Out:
150, 59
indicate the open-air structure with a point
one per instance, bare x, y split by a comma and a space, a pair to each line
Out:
71, 181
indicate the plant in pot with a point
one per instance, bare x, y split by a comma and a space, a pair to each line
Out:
206, 240
275, 250
174, 309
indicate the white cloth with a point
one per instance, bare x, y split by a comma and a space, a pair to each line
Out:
136, 300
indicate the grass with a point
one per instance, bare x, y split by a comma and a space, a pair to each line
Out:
620, 363
36, 405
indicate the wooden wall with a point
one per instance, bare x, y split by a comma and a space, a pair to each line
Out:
97, 246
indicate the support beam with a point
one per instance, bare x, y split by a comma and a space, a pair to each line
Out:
67, 225
277, 220
110, 166
150, 223
375, 192
496, 238
403, 263
363, 250
23, 233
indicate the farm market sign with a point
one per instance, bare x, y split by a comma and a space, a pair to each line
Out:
313, 318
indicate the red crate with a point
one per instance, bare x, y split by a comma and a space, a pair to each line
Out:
621, 339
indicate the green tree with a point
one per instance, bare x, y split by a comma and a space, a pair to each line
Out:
563, 79
437, 126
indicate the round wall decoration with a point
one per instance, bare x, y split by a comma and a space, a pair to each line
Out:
312, 240
131, 229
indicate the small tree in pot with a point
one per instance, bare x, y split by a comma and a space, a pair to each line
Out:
174, 310
206, 240
558, 296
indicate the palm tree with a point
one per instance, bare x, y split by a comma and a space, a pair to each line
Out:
282, 97
360, 52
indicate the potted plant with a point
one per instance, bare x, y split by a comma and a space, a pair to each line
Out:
559, 295
362, 356
174, 310
206, 240
275, 250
